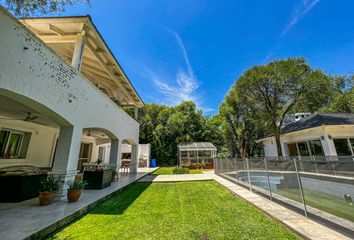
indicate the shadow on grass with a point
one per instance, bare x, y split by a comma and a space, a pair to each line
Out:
120, 202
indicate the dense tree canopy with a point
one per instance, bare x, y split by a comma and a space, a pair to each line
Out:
164, 127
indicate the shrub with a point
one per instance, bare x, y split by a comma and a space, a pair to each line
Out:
75, 185
180, 170
50, 184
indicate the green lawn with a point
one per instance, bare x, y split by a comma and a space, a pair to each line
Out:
323, 202
184, 210
168, 171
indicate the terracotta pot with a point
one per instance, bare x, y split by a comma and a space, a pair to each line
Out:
74, 195
46, 198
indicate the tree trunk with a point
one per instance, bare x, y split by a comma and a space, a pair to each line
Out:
277, 140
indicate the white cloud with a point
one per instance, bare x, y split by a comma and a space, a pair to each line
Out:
299, 12
184, 87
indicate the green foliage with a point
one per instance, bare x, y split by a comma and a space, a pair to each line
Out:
181, 170
185, 210
261, 98
25, 8
343, 100
74, 185
50, 184
165, 127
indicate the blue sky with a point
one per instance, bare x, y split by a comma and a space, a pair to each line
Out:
175, 50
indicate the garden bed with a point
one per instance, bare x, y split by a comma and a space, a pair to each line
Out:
169, 171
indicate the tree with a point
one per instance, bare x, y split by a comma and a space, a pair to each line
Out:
165, 127
277, 88
240, 124
25, 8
343, 99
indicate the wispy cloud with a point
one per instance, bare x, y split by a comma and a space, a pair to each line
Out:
184, 87
299, 11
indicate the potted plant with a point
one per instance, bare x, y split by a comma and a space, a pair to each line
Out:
48, 188
74, 190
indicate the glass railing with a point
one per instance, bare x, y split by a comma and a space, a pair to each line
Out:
319, 187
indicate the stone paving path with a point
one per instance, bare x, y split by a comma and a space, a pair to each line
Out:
305, 227
176, 178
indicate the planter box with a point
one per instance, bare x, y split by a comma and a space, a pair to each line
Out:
98, 179
17, 188
208, 167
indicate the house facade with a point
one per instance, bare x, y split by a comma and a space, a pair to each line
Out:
320, 136
62, 94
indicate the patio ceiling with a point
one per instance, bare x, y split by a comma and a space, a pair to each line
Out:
99, 65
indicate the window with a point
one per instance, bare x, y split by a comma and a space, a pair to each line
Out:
101, 153
303, 151
292, 149
11, 144
352, 143
342, 147
316, 148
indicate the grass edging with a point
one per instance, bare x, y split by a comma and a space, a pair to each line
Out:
299, 234
75, 216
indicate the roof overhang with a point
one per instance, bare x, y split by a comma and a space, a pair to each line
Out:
98, 65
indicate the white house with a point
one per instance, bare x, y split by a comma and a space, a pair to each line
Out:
319, 135
62, 94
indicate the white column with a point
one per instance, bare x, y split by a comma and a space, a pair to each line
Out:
78, 51
115, 155
66, 157
134, 159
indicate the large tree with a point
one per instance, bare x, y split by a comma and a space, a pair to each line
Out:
277, 88
241, 126
25, 8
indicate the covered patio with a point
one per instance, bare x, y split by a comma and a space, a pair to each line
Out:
26, 220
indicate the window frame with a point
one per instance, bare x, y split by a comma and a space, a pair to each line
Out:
349, 145
19, 147
305, 142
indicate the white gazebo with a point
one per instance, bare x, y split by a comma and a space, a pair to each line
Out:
194, 153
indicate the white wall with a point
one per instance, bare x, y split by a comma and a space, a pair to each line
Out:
270, 147
41, 145
32, 74
324, 133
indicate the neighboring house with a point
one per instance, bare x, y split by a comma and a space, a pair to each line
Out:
62, 94
319, 135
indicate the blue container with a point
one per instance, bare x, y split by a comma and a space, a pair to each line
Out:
153, 163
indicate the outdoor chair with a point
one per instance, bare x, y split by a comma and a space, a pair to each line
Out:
125, 166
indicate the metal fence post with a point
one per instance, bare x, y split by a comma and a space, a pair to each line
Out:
235, 160
270, 189
249, 175
300, 187
215, 166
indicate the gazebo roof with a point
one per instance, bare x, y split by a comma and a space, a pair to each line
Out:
195, 146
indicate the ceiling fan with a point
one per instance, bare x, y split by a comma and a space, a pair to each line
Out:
89, 134
28, 118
